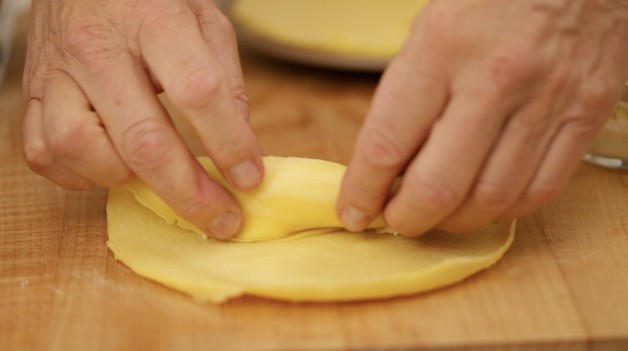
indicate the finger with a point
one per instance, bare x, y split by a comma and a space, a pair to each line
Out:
560, 162
75, 136
37, 156
440, 177
220, 36
146, 140
571, 141
200, 88
407, 101
513, 161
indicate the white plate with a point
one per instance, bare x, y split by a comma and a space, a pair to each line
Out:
305, 56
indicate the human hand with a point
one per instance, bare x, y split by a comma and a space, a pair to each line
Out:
486, 111
92, 75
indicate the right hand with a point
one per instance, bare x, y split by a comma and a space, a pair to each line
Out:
92, 75
486, 112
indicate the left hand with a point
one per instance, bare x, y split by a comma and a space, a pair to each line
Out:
486, 112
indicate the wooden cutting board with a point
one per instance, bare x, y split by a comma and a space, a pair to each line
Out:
563, 285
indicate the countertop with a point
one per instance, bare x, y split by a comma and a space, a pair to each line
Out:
563, 284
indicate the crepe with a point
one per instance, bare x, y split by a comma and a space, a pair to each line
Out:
323, 265
274, 210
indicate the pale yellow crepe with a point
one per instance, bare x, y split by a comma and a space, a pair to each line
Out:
275, 209
334, 266
374, 28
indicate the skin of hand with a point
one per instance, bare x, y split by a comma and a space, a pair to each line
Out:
92, 75
486, 112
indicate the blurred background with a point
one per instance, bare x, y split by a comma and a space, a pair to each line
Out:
10, 12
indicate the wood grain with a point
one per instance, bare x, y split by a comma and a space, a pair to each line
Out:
562, 286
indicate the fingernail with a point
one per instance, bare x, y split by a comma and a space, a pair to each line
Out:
354, 219
246, 174
225, 226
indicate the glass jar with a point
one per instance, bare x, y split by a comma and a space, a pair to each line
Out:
610, 147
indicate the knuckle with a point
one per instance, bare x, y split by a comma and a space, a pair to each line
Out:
69, 141
437, 24
195, 204
559, 80
85, 39
493, 195
543, 191
589, 112
581, 129
532, 126
37, 156
216, 23
147, 144
381, 150
195, 88
158, 17
509, 67
190, 207
598, 95
433, 191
